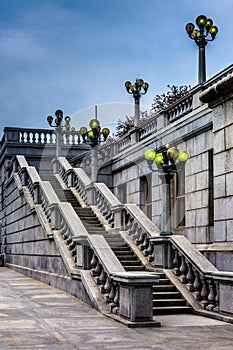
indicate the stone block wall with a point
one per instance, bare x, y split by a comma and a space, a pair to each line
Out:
219, 97
27, 247
27, 244
223, 171
199, 175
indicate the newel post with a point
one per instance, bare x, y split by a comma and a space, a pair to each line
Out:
136, 297
118, 215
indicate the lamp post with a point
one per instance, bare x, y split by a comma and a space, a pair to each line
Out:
137, 89
59, 128
168, 162
200, 36
93, 137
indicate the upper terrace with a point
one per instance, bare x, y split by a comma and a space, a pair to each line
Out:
20, 140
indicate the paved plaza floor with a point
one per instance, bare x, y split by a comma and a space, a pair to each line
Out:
34, 315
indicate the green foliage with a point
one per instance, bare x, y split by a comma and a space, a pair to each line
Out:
163, 101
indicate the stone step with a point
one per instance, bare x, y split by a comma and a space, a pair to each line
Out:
167, 295
130, 262
169, 310
169, 302
134, 268
164, 281
164, 288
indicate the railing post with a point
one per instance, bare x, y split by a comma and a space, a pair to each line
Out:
133, 289
55, 166
91, 200
54, 216
83, 253
70, 178
36, 193
118, 215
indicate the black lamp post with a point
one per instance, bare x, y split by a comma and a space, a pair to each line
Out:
59, 127
200, 36
93, 137
168, 162
137, 90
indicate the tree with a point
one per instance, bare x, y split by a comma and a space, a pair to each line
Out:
163, 101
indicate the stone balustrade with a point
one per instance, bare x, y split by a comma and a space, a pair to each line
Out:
140, 229
48, 136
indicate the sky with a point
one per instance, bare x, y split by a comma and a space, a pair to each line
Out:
75, 54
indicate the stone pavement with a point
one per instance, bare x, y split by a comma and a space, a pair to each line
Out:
36, 316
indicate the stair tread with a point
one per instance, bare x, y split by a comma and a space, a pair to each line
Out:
172, 307
170, 300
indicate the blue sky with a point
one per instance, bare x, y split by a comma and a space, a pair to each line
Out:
74, 54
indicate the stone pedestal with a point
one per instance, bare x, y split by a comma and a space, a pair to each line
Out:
136, 297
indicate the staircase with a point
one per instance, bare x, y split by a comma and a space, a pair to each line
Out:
166, 298
121, 249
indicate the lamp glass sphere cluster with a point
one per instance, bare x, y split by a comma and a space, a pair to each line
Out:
168, 159
95, 135
139, 87
58, 121
205, 27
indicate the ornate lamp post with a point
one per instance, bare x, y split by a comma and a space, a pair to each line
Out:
200, 36
167, 162
59, 128
137, 89
94, 136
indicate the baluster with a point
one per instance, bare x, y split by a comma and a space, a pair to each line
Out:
33, 137
45, 138
98, 199
102, 280
94, 261
72, 245
136, 236
211, 296
183, 270
204, 293
176, 263
112, 295
149, 252
190, 278
39, 137
140, 239
216, 308
131, 226
107, 288
107, 285
115, 304
28, 137
145, 244
99, 271
197, 285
